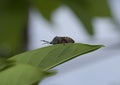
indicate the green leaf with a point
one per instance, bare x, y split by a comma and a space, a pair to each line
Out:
86, 10
4, 63
99, 8
48, 57
21, 74
13, 18
46, 7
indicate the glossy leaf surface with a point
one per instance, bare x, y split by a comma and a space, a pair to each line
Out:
48, 57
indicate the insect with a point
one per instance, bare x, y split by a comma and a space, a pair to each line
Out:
60, 40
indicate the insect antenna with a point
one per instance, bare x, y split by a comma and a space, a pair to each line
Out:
45, 42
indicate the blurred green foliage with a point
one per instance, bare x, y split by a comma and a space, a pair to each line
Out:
86, 10
14, 18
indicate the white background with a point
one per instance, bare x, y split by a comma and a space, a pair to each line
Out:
97, 68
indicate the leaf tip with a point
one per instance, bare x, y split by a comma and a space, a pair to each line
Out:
102, 45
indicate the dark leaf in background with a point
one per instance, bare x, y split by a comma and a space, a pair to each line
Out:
46, 7
86, 10
13, 18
